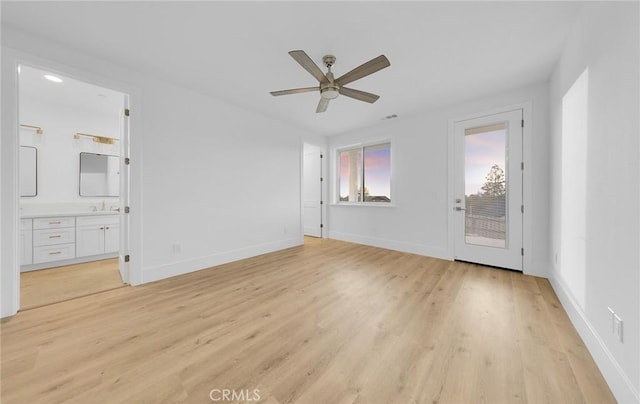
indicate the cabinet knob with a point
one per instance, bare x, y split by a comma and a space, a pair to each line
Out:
102, 228
107, 228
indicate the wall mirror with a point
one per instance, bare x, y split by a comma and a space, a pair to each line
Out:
28, 171
99, 175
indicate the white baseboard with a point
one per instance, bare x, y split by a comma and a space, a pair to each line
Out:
618, 381
157, 273
402, 246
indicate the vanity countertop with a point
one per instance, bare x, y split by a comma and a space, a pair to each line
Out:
64, 214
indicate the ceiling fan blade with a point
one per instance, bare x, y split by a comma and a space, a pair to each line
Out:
364, 69
295, 91
305, 61
359, 95
322, 105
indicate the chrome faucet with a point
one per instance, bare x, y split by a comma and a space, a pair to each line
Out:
103, 207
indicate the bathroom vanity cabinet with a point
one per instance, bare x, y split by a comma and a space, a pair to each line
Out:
97, 235
50, 241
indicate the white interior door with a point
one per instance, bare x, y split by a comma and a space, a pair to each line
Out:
312, 191
487, 201
123, 256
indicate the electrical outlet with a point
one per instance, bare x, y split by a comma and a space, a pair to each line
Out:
617, 328
176, 248
613, 326
617, 325
556, 258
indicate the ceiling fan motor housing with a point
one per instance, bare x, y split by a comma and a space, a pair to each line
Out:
330, 90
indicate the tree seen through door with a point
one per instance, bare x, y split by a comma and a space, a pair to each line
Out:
485, 186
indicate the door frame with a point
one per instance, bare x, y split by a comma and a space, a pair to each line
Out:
10, 207
527, 197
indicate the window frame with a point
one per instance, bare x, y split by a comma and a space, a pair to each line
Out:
361, 147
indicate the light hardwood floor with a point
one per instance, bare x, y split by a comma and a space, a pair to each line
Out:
329, 322
53, 285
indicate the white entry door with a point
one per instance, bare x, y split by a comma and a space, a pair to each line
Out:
487, 203
312, 191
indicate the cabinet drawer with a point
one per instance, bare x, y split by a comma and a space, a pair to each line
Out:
54, 222
54, 236
53, 253
26, 224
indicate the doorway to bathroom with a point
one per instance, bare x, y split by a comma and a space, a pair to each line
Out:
73, 176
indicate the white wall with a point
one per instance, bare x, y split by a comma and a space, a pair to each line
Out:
418, 221
606, 40
210, 182
58, 151
220, 182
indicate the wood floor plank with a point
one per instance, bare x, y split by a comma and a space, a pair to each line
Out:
327, 322
53, 285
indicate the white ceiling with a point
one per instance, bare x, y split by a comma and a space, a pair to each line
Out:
440, 52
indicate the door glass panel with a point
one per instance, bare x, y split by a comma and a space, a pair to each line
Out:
485, 150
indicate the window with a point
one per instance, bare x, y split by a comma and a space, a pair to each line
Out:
365, 168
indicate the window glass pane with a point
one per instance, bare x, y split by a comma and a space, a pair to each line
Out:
486, 185
350, 175
377, 173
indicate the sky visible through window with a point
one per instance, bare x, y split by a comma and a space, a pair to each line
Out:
377, 172
482, 150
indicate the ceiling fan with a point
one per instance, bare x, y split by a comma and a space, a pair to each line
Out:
329, 87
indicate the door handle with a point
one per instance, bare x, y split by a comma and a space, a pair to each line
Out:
458, 209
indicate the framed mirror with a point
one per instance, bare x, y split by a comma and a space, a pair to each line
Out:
99, 175
28, 171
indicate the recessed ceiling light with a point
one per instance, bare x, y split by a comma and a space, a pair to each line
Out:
55, 79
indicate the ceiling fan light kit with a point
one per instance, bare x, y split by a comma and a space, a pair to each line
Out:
330, 87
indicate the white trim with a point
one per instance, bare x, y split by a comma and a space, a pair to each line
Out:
395, 245
301, 196
160, 272
620, 384
10, 205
